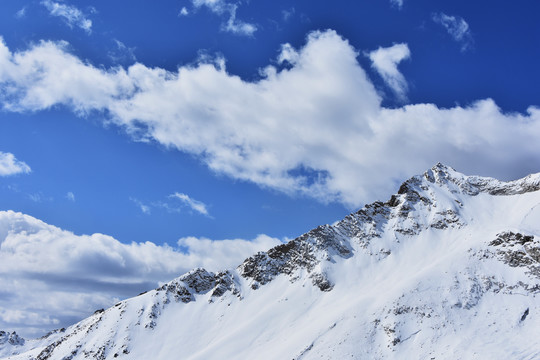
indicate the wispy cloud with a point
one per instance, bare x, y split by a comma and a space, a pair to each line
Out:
145, 208
228, 10
35, 197
70, 196
71, 15
48, 271
314, 128
385, 61
21, 13
175, 203
193, 204
397, 3
183, 12
122, 53
39, 197
457, 27
287, 14
9, 165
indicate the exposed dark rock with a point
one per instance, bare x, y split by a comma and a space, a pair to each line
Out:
518, 250
446, 219
304, 252
322, 282
224, 281
525, 314
199, 280
11, 338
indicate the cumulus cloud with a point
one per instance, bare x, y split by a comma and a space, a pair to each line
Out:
50, 278
9, 165
457, 28
223, 8
193, 204
224, 253
316, 127
69, 14
385, 61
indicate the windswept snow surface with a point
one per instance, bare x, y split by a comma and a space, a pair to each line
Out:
448, 268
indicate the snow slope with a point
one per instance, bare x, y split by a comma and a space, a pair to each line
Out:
448, 268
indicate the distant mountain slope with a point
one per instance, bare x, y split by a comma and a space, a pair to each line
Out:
448, 268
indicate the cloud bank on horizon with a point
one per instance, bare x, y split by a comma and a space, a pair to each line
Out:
314, 127
51, 277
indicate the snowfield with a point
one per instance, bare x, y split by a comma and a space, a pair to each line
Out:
448, 268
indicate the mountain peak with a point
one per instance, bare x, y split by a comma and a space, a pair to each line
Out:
11, 338
447, 176
439, 172
413, 277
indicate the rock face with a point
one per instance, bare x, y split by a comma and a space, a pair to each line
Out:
303, 253
11, 339
10, 343
518, 250
443, 268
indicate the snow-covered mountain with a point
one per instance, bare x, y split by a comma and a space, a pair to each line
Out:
448, 268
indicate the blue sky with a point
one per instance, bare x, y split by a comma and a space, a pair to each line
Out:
207, 120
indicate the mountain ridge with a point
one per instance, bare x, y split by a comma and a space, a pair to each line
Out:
381, 238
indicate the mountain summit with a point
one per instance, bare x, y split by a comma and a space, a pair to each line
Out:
447, 268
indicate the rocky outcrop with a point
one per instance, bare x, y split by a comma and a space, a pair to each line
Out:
11, 338
518, 250
303, 253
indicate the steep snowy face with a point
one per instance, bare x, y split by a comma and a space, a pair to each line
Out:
449, 267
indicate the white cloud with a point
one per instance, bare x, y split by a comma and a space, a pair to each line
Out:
238, 27
143, 207
457, 27
222, 254
223, 8
397, 3
216, 6
21, 13
193, 204
70, 196
36, 197
315, 128
46, 271
288, 54
9, 165
171, 205
70, 14
287, 14
183, 12
122, 53
385, 61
